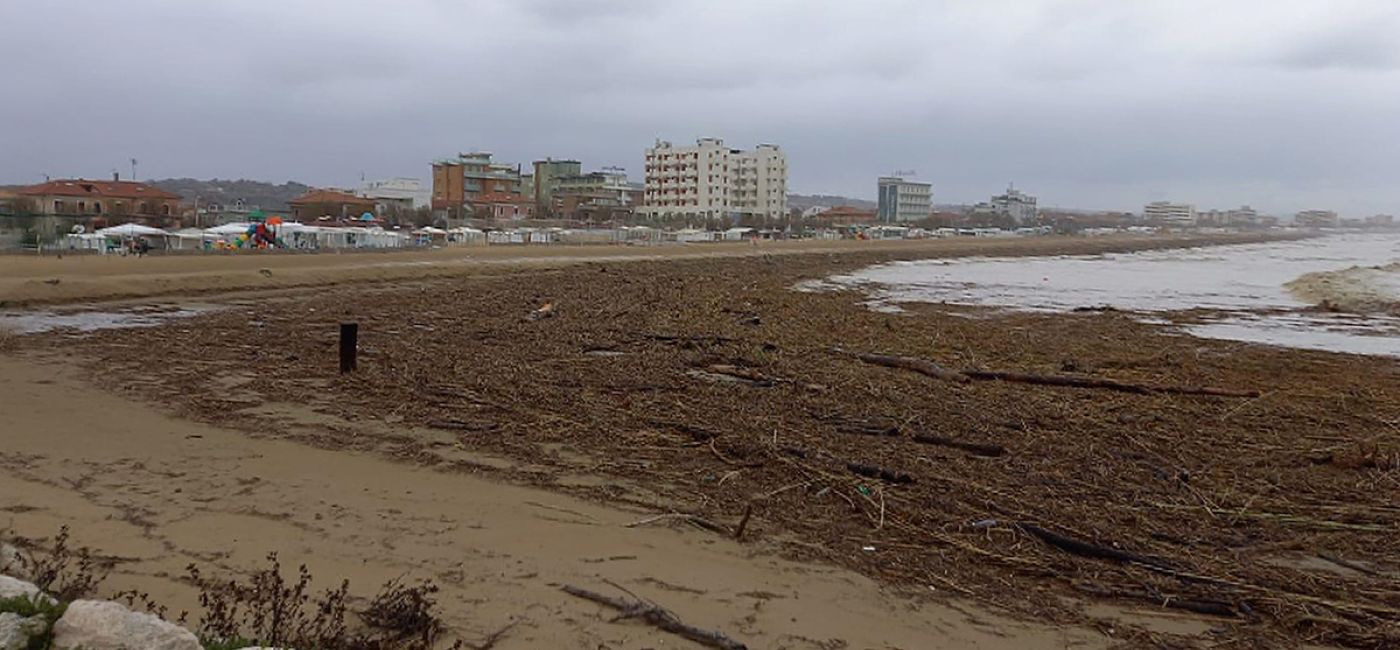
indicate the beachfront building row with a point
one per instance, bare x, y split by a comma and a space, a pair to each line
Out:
901, 201
711, 180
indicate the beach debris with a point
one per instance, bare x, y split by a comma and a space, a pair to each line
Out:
872, 471
545, 311
926, 367
744, 522
493, 638
921, 366
694, 520
658, 616
349, 346
976, 448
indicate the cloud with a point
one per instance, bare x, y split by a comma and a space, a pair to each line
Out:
1099, 103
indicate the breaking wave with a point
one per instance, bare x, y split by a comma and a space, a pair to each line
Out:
1358, 289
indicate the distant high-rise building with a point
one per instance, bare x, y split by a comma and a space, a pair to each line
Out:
472, 177
1017, 205
547, 175
711, 180
1169, 213
1316, 219
901, 200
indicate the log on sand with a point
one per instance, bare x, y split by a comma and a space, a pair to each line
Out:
931, 369
658, 616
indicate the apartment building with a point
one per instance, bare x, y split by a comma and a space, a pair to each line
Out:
547, 175
711, 180
1316, 219
395, 194
901, 200
459, 181
1169, 213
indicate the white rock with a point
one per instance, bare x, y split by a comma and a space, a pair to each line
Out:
16, 630
12, 587
12, 562
102, 625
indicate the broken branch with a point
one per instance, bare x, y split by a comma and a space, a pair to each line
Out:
658, 616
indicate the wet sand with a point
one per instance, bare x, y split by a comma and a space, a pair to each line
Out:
157, 493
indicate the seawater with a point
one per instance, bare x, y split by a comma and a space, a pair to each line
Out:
1256, 292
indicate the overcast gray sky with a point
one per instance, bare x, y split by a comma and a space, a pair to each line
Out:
1282, 104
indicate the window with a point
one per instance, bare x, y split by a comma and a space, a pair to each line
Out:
57, 207
96, 207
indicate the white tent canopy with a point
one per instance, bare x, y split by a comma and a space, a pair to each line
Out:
131, 230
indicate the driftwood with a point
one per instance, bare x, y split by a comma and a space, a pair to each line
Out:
1076, 381
871, 471
978, 448
926, 367
1207, 607
658, 616
921, 366
694, 520
743, 523
1086, 549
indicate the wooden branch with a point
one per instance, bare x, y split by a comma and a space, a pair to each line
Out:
1076, 381
872, 471
926, 367
744, 522
658, 616
978, 448
1207, 607
1086, 549
921, 366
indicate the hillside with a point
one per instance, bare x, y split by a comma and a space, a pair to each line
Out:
268, 196
804, 201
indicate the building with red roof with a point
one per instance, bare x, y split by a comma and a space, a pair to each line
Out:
333, 203
115, 200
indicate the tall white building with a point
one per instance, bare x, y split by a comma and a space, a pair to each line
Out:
1168, 212
710, 180
404, 193
901, 200
1014, 203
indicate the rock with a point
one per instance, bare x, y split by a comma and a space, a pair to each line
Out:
13, 562
12, 587
16, 630
102, 625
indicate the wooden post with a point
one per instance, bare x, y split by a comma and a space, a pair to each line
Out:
349, 335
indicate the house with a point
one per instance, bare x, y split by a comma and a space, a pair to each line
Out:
116, 200
501, 206
333, 203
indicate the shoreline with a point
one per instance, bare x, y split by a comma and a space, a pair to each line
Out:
622, 399
42, 281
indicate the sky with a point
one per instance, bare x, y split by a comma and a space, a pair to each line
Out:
1280, 104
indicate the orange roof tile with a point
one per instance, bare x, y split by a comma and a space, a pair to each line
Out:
330, 196
98, 189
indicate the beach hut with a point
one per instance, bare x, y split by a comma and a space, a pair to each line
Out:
465, 237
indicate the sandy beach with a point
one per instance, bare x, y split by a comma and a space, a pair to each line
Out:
503, 455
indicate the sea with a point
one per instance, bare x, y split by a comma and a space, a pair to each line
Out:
1339, 292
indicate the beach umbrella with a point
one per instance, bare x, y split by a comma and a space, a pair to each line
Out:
274, 221
131, 230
